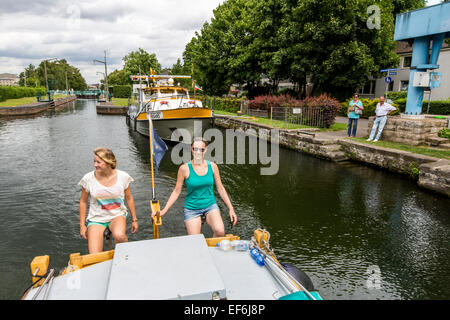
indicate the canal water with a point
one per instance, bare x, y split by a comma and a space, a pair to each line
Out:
359, 232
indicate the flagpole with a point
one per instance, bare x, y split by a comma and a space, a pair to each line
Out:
150, 127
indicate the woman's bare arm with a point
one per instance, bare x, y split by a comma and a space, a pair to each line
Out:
182, 174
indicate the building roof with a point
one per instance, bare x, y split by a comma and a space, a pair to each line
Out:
8, 76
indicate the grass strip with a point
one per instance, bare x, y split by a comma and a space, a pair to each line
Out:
426, 151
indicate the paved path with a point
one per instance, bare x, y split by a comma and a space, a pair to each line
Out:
361, 130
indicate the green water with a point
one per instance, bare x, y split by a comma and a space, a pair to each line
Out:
335, 221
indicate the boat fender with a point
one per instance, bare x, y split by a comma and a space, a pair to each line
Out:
300, 276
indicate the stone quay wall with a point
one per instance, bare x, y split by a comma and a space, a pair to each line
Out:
35, 108
108, 108
430, 173
410, 131
300, 140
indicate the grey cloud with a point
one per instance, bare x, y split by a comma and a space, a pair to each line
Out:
105, 12
26, 6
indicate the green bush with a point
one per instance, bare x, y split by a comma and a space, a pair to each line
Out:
445, 133
397, 95
224, 104
123, 91
441, 107
13, 92
369, 108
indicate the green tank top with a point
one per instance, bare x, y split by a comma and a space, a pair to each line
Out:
200, 194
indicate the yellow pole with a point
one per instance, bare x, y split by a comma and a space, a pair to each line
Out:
154, 204
150, 127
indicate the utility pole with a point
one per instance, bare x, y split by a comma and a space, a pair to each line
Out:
67, 84
45, 73
106, 76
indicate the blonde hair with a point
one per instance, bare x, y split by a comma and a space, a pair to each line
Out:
107, 156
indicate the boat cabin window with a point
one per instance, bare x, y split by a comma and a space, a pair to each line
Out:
167, 91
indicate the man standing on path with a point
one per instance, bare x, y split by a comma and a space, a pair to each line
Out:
382, 111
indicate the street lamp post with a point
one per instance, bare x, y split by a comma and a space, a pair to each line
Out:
106, 76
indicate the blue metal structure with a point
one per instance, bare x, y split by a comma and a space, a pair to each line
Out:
430, 25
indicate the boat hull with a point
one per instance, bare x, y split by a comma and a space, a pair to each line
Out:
193, 121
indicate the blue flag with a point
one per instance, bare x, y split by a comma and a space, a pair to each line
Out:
159, 148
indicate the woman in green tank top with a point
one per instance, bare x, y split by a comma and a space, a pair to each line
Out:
200, 176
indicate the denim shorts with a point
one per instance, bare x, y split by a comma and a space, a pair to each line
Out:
191, 214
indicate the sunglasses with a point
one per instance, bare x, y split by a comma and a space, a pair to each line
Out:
199, 149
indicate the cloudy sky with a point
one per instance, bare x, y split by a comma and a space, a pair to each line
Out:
80, 31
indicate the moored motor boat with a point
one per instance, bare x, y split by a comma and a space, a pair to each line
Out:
176, 116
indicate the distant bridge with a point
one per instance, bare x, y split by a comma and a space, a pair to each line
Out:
89, 94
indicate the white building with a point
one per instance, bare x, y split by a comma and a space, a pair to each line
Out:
9, 79
377, 87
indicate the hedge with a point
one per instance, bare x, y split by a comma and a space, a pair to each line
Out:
441, 107
13, 92
224, 104
395, 95
328, 106
369, 107
266, 102
123, 91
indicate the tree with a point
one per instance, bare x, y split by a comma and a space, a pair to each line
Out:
118, 77
330, 42
179, 69
56, 75
140, 60
30, 75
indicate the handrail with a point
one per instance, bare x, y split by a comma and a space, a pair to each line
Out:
50, 275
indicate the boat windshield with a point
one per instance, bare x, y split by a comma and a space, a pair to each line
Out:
175, 92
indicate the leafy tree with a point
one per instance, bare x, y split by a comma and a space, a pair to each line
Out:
140, 60
330, 42
118, 77
30, 75
327, 41
179, 69
56, 75
401, 6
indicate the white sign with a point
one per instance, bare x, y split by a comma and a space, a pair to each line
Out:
421, 79
156, 114
296, 111
137, 86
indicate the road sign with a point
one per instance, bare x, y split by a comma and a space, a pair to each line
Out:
392, 73
387, 79
387, 70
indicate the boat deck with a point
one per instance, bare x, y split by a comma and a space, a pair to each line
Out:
170, 268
